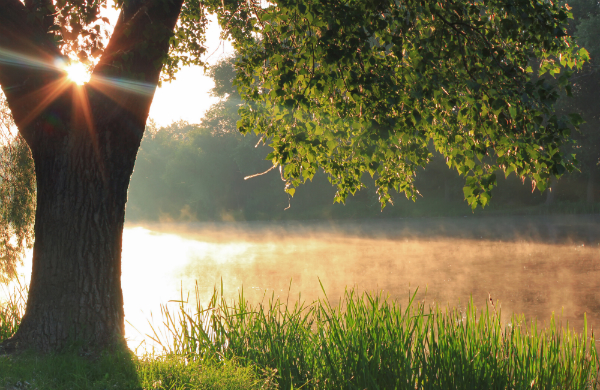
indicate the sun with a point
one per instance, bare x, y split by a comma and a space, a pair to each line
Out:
77, 73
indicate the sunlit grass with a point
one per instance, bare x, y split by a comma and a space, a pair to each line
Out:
369, 342
12, 308
365, 341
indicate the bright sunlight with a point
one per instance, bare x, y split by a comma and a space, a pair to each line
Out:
77, 73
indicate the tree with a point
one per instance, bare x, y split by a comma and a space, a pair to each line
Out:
17, 196
349, 86
364, 88
585, 27
83, 141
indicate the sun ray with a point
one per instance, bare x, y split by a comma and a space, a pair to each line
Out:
81, 104
78, 73
45, 96
9, 57
106, 84
127, 93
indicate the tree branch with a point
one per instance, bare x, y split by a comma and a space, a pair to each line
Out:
130, 67
44, 9
28, 58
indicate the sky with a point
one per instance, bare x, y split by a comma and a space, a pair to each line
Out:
188, 97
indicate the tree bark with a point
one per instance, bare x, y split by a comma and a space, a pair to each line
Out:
75, 292
84, 142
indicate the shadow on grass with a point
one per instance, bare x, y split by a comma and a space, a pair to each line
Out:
28, 370
123, 370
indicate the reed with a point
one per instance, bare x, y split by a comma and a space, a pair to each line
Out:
367, 341
12, 308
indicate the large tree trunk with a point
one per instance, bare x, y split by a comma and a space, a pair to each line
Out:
84, 141
82, 181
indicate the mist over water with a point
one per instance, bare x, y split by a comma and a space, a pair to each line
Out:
527, 265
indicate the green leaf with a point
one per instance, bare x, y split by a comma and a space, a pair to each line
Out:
358, 82
576, 119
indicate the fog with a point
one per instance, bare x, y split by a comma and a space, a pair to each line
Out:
527, 265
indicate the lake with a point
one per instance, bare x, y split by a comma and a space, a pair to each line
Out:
532, 265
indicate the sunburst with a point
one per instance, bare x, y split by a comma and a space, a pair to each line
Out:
77, 73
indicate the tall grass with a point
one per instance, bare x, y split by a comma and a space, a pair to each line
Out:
12, 308
365, 341
369, 342
117, 369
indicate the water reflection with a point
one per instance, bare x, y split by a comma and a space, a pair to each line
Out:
530, 265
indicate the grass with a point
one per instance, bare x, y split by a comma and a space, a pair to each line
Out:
124, 371
12, 309
365, 341
68, 371
120, 369
369, 342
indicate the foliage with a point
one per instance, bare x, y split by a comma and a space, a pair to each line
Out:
355, 87
367, 341
195, 172
17, 195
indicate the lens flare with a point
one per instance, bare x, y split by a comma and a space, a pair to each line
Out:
77, 73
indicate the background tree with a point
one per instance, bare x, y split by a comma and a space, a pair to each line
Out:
585, 87
348, 86
17, 195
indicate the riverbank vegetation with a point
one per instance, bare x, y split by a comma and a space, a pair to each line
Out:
365, 341
186, 172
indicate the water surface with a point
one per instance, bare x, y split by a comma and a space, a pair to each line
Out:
527, 265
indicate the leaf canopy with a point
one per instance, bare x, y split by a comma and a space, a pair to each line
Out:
357, 87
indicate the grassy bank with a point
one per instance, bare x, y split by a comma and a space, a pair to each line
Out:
363, 342
124, 371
